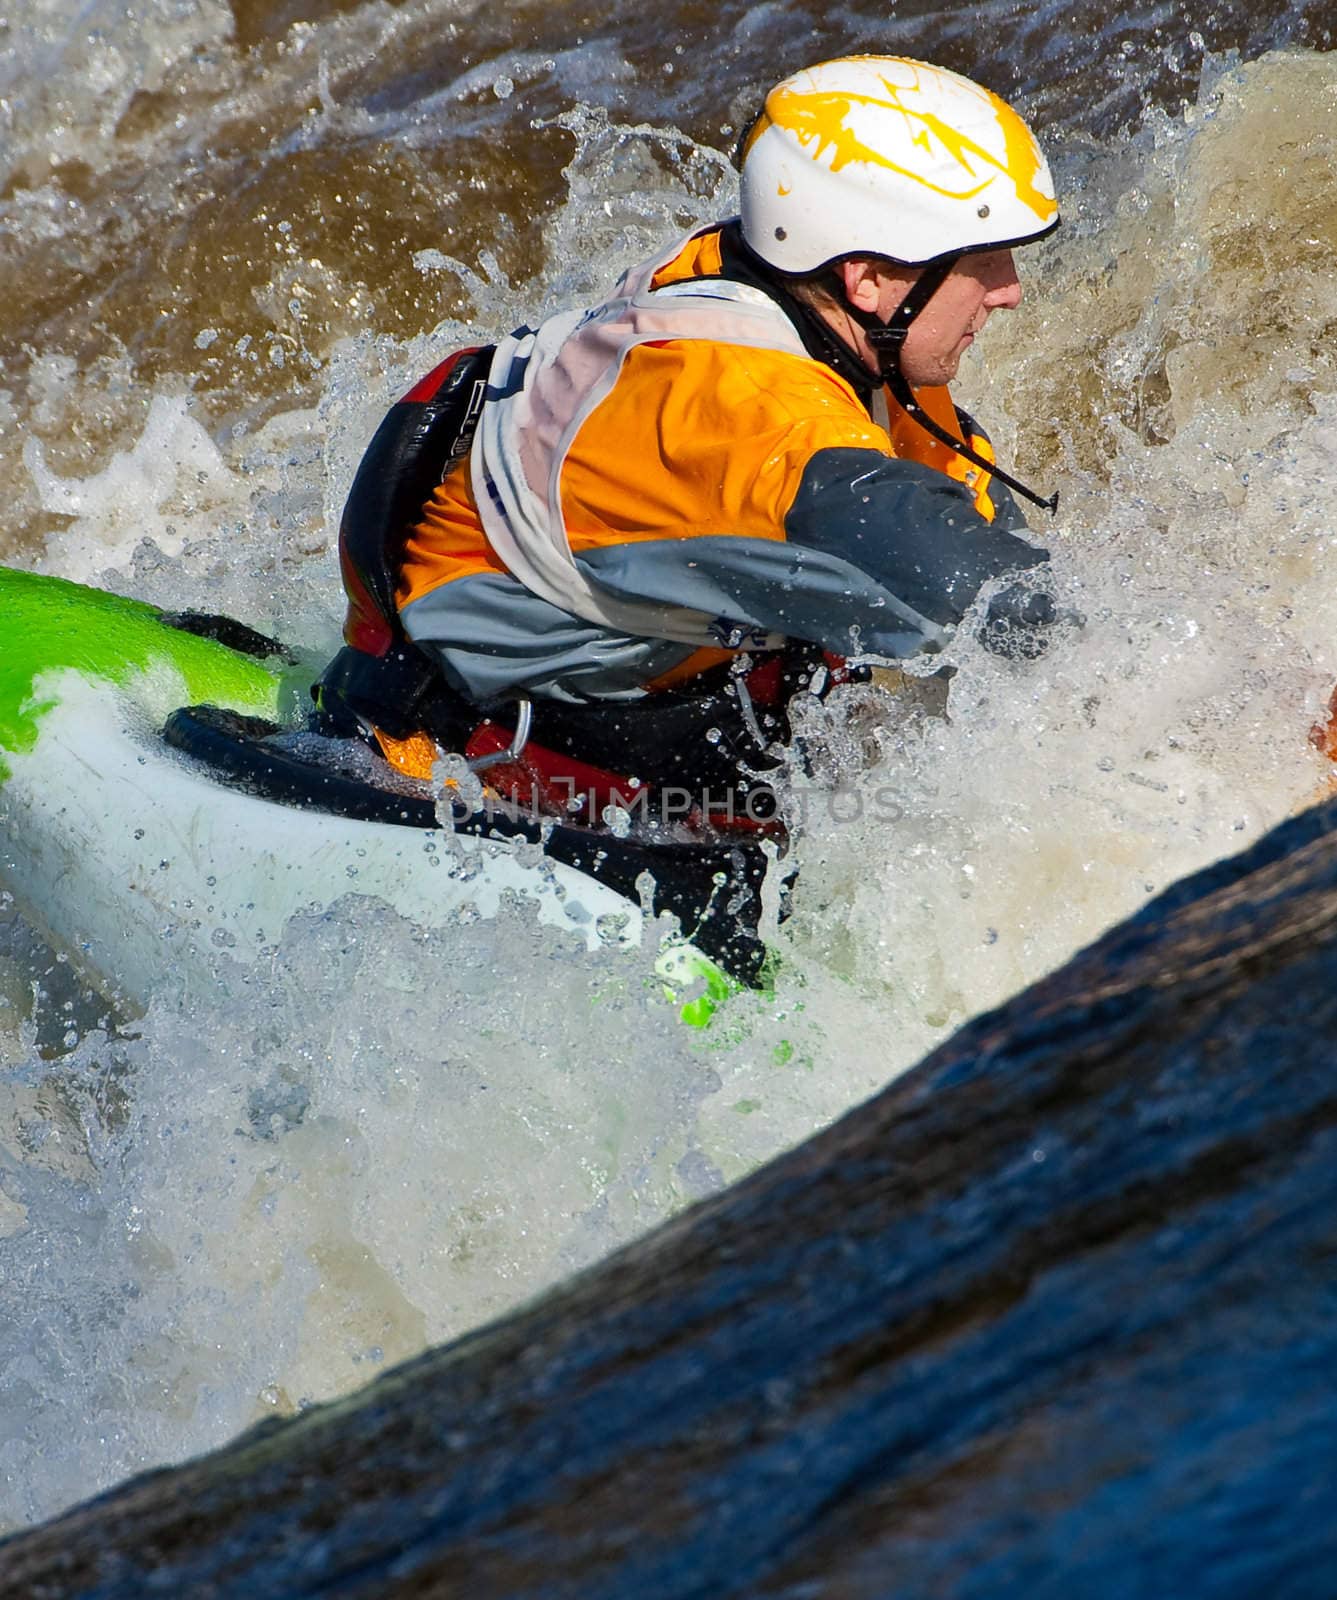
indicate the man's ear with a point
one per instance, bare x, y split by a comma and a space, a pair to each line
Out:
860, 278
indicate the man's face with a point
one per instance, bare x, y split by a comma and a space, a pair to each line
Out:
945, 329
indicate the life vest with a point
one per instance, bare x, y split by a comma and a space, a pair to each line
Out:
382, 687
544, 386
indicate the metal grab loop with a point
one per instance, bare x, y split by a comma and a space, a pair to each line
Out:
518, 741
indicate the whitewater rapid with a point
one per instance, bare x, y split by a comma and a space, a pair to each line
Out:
379, 1136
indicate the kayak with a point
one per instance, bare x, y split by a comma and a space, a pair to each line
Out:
164, 807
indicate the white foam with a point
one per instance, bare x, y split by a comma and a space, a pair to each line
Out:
171, 478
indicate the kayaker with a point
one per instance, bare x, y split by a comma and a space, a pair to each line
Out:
629, 533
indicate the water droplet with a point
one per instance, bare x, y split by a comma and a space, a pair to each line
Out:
617, 821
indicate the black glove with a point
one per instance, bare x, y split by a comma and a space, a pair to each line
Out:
1018, 621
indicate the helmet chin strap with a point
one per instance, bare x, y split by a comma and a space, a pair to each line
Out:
888, 339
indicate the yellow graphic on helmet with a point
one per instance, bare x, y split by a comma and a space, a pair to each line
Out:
819, 118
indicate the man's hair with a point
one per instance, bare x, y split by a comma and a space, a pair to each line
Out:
824, 287
816, 289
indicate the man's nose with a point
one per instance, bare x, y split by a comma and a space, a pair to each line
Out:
1004, 293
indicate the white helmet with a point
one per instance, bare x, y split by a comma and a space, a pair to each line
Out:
885, 156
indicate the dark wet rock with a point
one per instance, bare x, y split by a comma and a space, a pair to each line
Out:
1054, 1315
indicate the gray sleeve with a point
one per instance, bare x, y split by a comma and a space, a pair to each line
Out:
917, 534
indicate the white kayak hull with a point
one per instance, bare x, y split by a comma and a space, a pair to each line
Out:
134, 860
